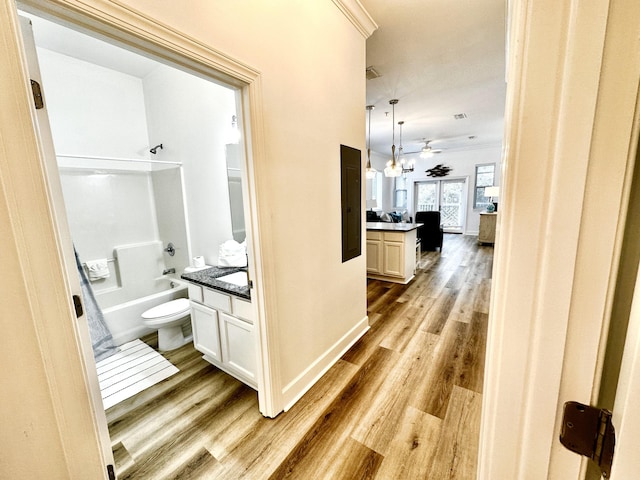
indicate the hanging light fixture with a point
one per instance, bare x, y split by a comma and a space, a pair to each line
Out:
393, 169
234, 132
370, 171
409, 165
426, 151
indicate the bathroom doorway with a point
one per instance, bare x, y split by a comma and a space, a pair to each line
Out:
104, 167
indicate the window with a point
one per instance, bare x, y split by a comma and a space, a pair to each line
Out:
485, 176
400, 201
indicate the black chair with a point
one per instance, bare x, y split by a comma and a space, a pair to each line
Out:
430, 233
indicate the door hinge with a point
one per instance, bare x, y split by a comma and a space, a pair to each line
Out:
37, 95
111, 472
588, 431
77, 304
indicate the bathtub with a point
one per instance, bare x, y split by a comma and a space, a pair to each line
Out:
124, 320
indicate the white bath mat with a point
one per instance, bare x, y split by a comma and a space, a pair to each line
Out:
134, 368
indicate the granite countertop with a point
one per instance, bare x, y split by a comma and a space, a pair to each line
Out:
393, 227
209, 278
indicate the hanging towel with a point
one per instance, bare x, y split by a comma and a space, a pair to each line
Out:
101, 338
98, 269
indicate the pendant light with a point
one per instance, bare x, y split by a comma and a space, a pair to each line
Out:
406, 167
370, 171
393, 169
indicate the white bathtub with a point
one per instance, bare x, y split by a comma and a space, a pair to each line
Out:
125, 321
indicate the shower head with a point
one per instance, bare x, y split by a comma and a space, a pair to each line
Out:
154, 150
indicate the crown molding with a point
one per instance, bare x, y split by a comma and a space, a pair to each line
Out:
358, 16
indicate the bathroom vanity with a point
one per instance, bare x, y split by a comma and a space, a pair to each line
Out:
222, 320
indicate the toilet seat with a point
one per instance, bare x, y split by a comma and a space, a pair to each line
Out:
167, 311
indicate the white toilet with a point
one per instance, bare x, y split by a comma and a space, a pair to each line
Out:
168, 319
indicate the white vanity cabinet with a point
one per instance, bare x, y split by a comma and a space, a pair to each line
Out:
223, 332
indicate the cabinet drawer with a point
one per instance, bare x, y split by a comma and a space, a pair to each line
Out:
195, 293
217, 300
374, 235
393, 237
242, 308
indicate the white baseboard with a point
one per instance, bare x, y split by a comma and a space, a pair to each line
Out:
303, 382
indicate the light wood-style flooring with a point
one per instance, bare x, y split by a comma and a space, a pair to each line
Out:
403, 403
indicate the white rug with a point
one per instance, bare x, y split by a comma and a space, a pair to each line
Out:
134, 368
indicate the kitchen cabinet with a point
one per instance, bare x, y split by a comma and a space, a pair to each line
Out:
374, 252
223, 331
391, 252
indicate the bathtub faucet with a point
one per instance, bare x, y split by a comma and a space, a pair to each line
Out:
169, 270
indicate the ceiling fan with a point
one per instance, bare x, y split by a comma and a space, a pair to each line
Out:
427, 151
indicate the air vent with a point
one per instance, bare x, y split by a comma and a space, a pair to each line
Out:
460, 116
371, 73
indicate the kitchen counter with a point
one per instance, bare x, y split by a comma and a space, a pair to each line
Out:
392, 227
209, 278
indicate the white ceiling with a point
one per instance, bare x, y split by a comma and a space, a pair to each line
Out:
438, 58
67, 41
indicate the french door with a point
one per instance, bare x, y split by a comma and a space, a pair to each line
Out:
447, 196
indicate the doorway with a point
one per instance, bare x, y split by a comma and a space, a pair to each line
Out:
240, 100
446, 196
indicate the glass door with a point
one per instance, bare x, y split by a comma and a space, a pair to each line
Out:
447, 196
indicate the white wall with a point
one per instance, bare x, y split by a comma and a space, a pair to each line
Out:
312, 94
191, 117
96, 111
463, 165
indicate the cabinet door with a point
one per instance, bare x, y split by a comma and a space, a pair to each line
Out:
374, 256
206, 337
487, 233
393, 259
238, 350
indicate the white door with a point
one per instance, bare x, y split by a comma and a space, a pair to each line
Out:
447, 196
53, 180
570, 150
626, 415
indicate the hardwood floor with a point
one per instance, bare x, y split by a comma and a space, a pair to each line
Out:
403, 403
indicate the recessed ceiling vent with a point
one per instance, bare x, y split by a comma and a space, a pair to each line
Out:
460, 116
371, 73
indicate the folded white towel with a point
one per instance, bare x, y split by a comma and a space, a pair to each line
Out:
98, 269
232, 254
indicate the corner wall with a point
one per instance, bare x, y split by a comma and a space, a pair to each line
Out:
313, 97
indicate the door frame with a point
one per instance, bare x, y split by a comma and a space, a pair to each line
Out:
572, 68
438, 182
50, 272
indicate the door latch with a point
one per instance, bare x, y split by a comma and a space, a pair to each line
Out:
588, 431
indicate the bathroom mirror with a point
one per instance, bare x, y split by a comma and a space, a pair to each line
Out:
234, 179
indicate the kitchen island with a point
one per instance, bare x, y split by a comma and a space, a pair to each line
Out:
392, 251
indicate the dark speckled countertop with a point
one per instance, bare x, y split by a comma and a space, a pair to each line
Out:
209, 278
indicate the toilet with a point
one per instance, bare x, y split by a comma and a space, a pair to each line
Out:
168, 319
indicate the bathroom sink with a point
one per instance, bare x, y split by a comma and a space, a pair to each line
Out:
237, 278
